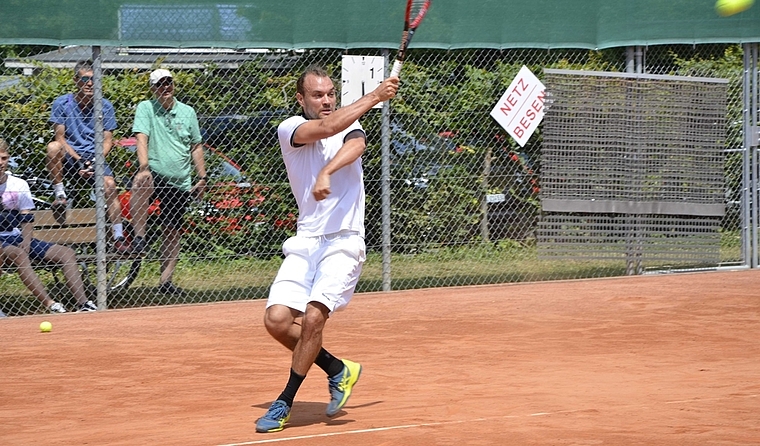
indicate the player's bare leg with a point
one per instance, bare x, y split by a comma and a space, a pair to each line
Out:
305, 341
310, 341
302, 334
283, 324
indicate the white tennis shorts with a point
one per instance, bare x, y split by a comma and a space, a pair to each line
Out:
322, 269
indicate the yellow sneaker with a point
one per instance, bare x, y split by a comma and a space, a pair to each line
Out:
275, 418
340, 386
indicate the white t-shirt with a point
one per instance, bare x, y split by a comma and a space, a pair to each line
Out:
343, 209
15, 196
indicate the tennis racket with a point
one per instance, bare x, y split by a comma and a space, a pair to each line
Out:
415, 12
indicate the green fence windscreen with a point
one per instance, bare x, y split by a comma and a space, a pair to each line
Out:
293, 24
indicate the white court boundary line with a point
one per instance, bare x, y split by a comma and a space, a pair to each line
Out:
474, 420
363, 431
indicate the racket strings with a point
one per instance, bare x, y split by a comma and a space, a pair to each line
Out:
417, 10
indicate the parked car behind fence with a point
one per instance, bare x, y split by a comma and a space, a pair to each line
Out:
511, 197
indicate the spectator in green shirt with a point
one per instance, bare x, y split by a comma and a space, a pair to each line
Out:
168, 139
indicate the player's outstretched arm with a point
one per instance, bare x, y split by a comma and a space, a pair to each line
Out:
343, 117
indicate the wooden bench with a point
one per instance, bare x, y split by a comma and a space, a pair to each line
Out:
80, 233
79, 229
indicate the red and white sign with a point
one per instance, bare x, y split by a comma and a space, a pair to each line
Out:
521, 108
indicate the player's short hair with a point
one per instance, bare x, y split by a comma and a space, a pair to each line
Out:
4, 147
85, 65
316, 70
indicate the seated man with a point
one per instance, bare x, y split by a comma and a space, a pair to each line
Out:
18, 248
71, 154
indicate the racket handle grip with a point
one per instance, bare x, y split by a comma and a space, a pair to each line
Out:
396, 68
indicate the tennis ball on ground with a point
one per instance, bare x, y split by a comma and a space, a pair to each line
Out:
726, 8
45, 326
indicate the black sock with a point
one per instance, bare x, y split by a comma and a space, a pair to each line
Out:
289, 394
329, 363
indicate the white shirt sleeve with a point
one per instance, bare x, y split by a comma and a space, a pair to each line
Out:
16, 195
287, 129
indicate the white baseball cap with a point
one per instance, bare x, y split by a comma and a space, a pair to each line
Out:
159, 74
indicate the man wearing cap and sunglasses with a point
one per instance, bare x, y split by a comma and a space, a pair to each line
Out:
168, 139
71, 153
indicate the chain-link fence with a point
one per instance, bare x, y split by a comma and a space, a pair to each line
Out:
464, 203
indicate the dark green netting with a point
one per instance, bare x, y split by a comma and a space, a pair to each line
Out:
293, 24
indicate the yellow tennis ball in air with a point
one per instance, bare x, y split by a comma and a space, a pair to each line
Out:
726, 8
45, 326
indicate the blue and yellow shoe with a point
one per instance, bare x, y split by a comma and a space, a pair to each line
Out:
275, 418
340, 386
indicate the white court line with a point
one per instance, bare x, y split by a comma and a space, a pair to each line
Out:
474, 420
363, 431
388, 428
695, 400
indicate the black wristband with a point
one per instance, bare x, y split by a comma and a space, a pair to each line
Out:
202, 178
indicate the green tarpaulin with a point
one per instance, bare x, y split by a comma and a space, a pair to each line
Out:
294, 24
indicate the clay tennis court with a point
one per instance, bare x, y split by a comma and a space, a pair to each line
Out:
653, 360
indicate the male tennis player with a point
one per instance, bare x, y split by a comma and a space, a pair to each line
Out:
322, 152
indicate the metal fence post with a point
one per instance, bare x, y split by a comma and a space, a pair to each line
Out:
385, 184
100, 204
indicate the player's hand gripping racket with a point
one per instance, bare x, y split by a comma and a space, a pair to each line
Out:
415, 12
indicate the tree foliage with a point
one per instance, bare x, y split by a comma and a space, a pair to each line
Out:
441, 115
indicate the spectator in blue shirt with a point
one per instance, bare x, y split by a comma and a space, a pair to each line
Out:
71, 153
